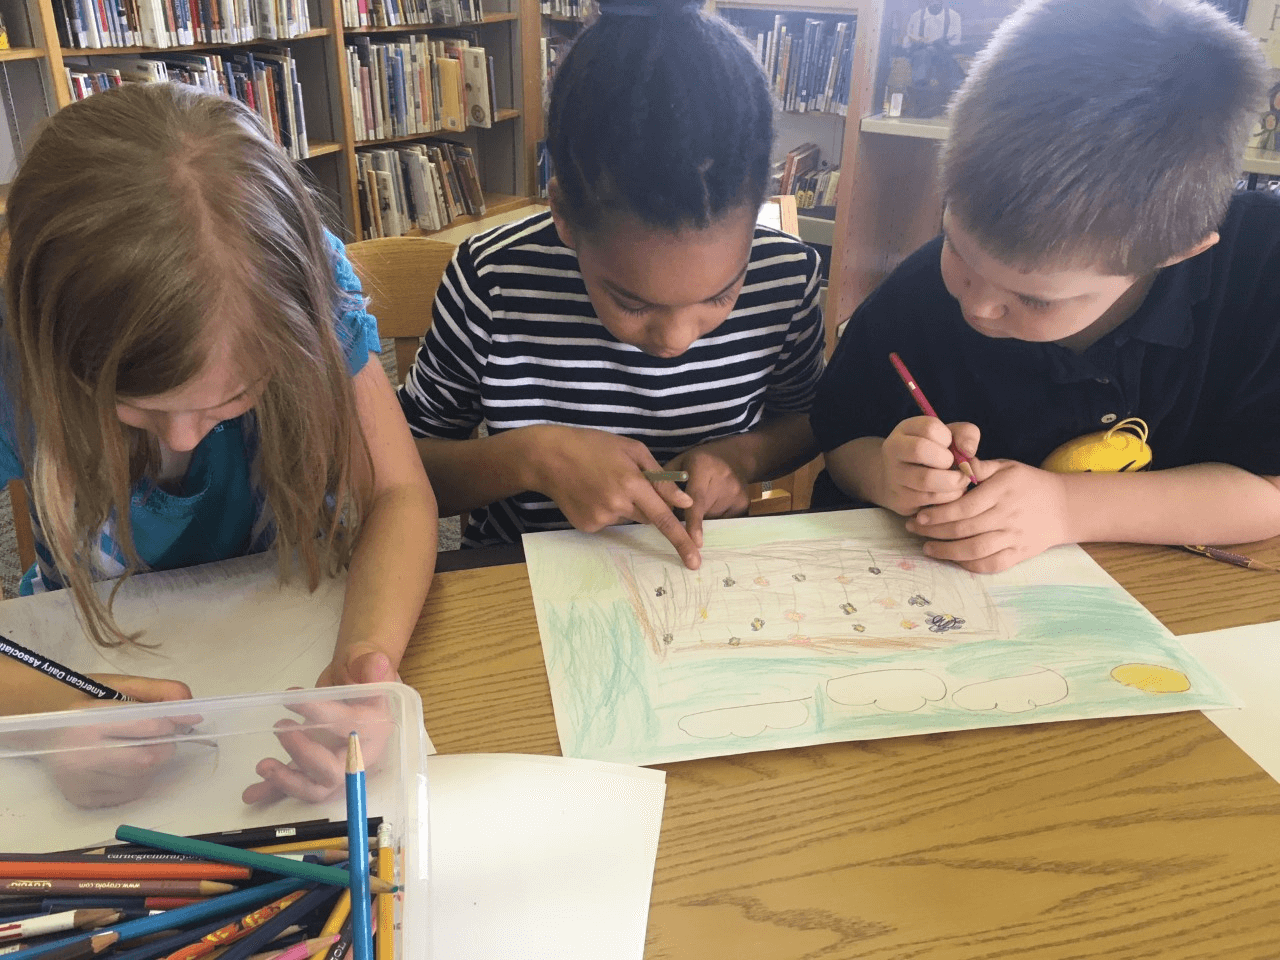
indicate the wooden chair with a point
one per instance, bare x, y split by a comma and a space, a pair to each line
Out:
792, 491
400, 276
22, 524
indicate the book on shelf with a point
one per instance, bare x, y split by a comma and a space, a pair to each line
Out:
808, 59
265, 80
415, 85
401, 13
423, 186
98, 24
573, 9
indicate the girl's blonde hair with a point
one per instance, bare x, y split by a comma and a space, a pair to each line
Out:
146, 224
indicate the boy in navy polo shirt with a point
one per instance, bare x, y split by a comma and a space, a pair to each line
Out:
1094, 266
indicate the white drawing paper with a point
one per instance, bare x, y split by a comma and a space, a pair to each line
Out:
1247, 659
541, 858
816, 628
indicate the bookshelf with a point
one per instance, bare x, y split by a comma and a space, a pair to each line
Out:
33, 84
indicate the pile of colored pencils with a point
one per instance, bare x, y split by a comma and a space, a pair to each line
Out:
298, 891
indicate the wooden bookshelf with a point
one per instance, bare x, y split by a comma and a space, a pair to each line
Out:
505, 152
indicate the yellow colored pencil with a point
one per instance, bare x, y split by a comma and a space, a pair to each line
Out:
303, 846
341, 910
384, 935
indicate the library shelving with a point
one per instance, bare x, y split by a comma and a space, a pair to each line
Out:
34, 84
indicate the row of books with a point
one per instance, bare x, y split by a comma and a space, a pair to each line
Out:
419, 85
266, 80
810, 68
423, 186
816, 191
95, 24
398, 13
563, 8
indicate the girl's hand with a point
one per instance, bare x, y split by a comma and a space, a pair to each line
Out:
92, 776
1016, 512
317, 749
318, 753
715, 486
596, 479
917, 466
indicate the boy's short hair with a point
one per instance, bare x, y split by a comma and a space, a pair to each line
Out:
1105, 134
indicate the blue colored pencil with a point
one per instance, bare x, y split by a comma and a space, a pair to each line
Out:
182, 916
361, 914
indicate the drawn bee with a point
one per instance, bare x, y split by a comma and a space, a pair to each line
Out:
728, 581
860, 628
668, 639
848, 609
919, 600
799, 577
874, 570
942, 622
660, 592
734, 641
757, 624
909, 624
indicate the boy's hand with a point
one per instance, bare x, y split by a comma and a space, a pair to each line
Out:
1016, 512
717, 489
917, 466
596, 479
92, 776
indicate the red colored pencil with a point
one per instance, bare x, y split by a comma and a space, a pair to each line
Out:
926, 408
113, 887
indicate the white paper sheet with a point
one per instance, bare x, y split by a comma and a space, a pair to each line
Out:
1247, 660
540, 857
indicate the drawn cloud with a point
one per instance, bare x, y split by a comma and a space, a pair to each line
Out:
898, 691
1014, 694
749, 721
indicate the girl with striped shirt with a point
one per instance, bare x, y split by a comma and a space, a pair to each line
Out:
645, 322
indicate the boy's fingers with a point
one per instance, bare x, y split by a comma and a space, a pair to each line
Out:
966, 437
673, 495
926, 480
976, 502
693, 521
967, 551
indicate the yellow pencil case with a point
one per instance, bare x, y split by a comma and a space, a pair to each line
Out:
1121, 449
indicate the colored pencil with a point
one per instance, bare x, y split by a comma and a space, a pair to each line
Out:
156, 947
122, 888
234, 855
92, 947
57, 923
259, 937
1226, 556
185, 916
21, 906
342, 945
65, 675
116, 870
299, 950
308, 846
384, 941
233, 931
315, 856
325, 833
361, 919
55, 904
668, 476
962, 461
337, 918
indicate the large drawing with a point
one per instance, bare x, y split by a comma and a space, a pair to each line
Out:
809, 629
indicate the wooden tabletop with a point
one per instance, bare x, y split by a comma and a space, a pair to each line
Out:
1125, 839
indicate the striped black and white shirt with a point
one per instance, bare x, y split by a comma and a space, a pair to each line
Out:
515, 342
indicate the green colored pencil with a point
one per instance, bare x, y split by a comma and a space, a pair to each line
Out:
244, 858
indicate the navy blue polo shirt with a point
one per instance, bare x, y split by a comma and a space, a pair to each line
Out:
1199, 361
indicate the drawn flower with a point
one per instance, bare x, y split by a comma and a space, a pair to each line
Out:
844, 578
728, 581
734, 641
799, 577
909, 624
887, 602
761, 581
907, 564
794, 615
875, 570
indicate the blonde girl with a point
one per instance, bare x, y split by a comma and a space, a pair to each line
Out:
187, 378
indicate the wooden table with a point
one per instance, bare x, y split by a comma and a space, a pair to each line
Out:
1134, 838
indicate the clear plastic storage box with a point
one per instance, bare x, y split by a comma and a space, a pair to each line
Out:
68, 780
